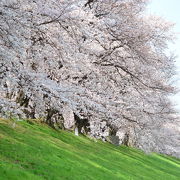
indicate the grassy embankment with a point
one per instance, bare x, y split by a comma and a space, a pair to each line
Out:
32, 151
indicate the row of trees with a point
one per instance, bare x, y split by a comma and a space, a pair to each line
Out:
105, 59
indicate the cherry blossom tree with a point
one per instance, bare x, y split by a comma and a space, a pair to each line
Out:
104, 59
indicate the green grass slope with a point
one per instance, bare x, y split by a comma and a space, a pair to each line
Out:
32, 151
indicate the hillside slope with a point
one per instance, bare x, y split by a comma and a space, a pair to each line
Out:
33, 151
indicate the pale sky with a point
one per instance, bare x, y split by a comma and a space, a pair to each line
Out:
170, 10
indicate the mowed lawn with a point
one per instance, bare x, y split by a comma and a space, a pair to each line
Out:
33, 151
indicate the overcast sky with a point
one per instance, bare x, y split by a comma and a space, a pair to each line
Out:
170, 10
